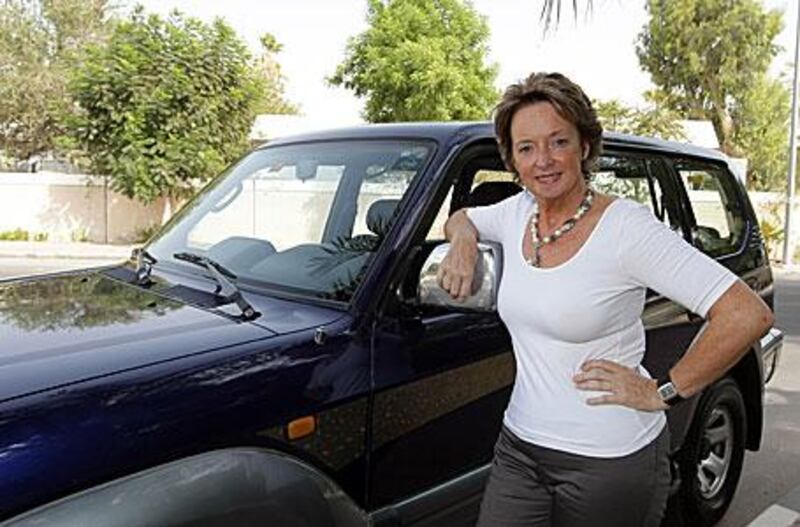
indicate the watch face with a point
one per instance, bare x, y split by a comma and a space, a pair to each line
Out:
667, 391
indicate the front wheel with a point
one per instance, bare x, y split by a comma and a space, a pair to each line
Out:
712, 454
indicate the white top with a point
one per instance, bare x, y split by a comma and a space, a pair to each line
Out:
586, 308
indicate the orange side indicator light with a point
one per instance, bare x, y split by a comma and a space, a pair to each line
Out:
302, 427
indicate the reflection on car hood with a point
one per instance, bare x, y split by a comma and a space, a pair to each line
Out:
61, 329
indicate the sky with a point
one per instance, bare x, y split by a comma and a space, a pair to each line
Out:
597, 50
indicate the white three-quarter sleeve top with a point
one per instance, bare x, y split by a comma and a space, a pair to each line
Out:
589, 307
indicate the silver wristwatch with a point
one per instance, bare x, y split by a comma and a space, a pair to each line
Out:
667, 391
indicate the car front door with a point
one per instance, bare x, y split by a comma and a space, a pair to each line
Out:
442, 380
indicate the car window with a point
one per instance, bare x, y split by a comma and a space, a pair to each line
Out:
436, 232
622, 176
718, 213
488, 185
305, 218
635, 178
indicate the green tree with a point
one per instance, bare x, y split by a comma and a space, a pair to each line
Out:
762, 120
267, 66
704, 55
652, 121
420, 60
165, 105
40, 40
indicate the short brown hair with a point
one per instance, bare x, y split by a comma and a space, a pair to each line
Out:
569, 101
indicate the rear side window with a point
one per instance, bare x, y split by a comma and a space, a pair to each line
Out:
636, 178
718, 213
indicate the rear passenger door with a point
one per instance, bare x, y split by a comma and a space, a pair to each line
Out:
670, 327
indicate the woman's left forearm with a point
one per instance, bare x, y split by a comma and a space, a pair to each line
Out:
735, 321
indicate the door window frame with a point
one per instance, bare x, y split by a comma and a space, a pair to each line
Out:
468, 153
673, 163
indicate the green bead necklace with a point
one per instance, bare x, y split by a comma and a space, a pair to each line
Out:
567, 226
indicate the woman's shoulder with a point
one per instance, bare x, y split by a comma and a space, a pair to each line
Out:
624, 208
624, 204
519, 202
625, 217
522, 198
634, 222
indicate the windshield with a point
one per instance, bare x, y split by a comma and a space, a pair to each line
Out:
306, 218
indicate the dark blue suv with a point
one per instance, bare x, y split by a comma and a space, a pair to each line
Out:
271, 358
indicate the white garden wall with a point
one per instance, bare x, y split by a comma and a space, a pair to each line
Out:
70, 207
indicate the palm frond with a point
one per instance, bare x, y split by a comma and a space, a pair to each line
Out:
551, 11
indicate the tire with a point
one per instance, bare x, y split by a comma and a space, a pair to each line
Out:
712, 454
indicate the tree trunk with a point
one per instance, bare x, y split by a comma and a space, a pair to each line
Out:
723, 126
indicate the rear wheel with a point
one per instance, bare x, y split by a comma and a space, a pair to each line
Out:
712, 454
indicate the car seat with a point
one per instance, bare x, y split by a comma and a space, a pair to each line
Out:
491, 192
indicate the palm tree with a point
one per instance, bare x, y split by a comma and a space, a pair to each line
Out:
552, 9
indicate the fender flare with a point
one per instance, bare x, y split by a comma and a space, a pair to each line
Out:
239, 486
749, 375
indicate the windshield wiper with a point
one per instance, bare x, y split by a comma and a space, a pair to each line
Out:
223, 276
144, 266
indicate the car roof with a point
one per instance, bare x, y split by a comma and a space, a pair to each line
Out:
442, 132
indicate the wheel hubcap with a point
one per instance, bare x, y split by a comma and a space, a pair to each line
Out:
716, 452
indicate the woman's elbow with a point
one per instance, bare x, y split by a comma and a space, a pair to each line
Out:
745, 310
766, 318
760, 317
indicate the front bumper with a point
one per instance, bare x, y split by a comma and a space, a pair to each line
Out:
771, 346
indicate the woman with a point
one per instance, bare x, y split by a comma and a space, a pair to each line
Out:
584, 439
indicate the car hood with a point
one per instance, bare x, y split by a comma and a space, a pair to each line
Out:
61, 329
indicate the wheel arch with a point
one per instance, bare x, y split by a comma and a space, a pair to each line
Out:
222, 487
748, 375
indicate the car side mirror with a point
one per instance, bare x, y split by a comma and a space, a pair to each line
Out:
485, 283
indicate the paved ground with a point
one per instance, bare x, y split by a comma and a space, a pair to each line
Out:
29, 258
769, 491
63, 250
14, 267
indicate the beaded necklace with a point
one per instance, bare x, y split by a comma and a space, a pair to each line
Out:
567, 226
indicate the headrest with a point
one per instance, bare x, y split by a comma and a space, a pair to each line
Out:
491, 192
379, 215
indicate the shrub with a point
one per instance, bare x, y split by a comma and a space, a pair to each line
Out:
15, 235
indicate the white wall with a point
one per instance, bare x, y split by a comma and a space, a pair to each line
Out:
68, 207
